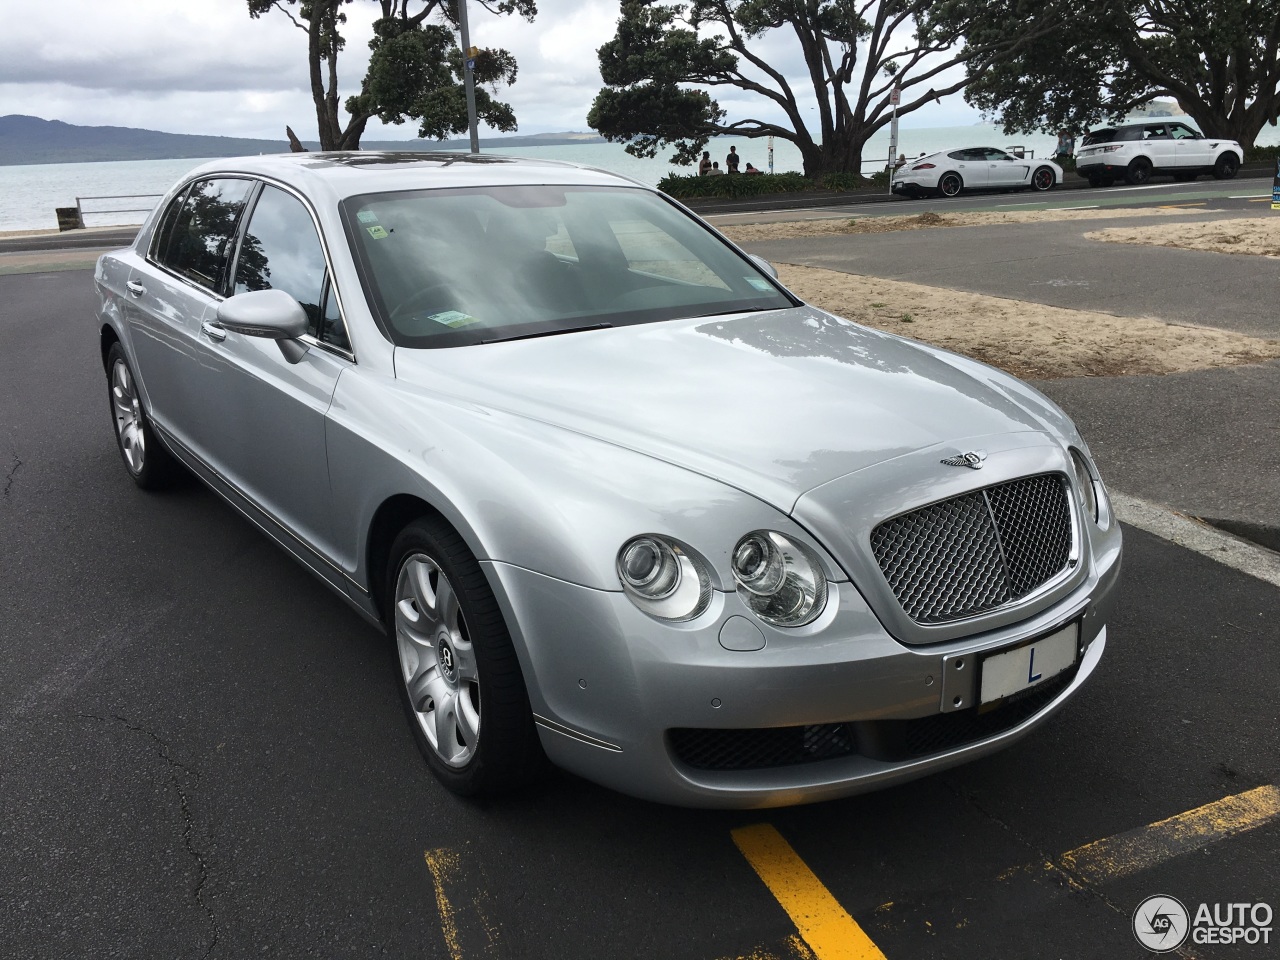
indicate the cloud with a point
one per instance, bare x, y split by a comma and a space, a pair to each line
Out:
203, 66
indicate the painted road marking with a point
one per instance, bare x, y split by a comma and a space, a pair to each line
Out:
823, 924
1128, 853
443, 865
1194, 535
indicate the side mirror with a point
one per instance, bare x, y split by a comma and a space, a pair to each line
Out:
764, 265
271, 314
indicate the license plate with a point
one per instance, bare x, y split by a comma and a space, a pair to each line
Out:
1010, 672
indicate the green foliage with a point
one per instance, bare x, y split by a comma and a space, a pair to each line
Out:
663, 65
416, 69
1220, 59
691, 186
1262, 154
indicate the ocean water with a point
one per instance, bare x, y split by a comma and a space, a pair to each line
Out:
29, 193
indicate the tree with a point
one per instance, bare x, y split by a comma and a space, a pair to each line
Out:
1220, 59
415, 68
659, 67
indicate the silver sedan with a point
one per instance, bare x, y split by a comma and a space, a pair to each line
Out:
620, 500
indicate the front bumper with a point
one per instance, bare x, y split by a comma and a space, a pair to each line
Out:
609, 685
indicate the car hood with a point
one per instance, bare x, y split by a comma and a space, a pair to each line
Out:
772, 403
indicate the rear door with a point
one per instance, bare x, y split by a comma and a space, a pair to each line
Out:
1158, 145
972, 166
175, 292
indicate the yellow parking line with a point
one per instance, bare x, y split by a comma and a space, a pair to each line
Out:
825, 926
1179, 206
444, 865
1135, 850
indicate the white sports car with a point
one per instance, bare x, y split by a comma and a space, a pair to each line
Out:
974, 168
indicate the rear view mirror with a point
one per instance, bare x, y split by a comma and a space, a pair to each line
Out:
764, 265
271, 314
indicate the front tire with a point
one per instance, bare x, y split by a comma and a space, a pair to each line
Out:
460, 680
1139, 172
150, 465
1226, 167
950, 185
1043, 179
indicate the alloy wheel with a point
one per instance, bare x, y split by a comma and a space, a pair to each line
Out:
437, 660
127, 408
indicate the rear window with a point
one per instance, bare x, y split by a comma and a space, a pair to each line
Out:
454, 267
1113, 135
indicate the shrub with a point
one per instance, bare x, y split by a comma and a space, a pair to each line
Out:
734, 185
1261, 154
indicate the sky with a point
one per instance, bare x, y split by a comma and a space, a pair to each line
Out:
205, 67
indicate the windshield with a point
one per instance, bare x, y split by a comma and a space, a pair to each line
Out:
462, 266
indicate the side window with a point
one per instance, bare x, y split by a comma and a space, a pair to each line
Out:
958, 154
164, 230
1157, 133
281, 251
198, 245
994, 154
1128, 133
1181, 132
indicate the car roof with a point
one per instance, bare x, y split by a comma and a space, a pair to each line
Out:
349, 173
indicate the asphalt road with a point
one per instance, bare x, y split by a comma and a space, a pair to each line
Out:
1203, 442
202, 754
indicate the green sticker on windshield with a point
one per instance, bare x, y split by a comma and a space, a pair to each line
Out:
452, 318
367, 216
759, 283
377, 232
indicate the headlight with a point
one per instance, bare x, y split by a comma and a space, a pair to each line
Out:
780, 580
1091, 490
662, 578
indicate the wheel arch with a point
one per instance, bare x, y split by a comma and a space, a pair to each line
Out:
393, 515
107, 338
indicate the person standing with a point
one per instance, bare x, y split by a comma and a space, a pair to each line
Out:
1066, 145
704, 165
731, 161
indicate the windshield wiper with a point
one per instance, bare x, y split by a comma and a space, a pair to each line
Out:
549, 333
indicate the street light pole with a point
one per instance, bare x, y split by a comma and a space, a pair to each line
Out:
468, 73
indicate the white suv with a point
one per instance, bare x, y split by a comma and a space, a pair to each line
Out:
1135, 151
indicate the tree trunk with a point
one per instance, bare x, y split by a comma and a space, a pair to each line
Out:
1244, 127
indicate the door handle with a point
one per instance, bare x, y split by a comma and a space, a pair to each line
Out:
214, 331
136, 288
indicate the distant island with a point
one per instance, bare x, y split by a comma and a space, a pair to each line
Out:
33, 140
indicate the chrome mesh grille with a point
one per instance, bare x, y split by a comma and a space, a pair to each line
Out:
977, 551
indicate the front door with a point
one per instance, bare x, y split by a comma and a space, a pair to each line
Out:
1004, 169
264, 416
1190, 150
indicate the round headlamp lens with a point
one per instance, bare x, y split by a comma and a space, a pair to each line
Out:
780, 580
758, 566
649, 567
662, 578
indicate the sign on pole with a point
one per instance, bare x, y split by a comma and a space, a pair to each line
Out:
1275, 188
771, 154
895, 96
